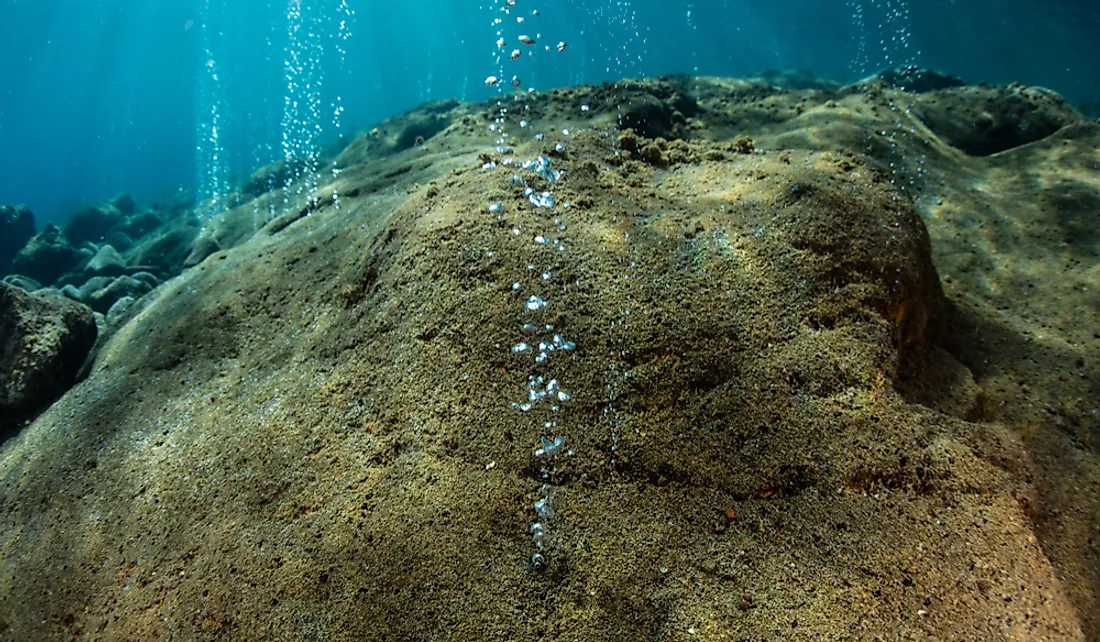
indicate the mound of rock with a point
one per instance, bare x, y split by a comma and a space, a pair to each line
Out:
694, 380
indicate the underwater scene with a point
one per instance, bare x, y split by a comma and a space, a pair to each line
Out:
539, 321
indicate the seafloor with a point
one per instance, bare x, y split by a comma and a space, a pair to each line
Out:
824, 361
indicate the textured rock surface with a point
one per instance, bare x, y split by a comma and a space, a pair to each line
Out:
43, 343
779, 424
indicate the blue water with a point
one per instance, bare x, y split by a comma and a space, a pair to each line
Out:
102, 96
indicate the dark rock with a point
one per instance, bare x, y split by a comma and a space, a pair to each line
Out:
20, 281
16, 228
986, 120
93, 223
43, 342
47, 256
918, 80
106, 262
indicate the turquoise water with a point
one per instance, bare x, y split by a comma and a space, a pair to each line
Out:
170, 100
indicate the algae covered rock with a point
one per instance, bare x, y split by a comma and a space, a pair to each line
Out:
43, 342
667, 393
681, 399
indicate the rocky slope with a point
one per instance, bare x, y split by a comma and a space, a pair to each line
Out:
813, 362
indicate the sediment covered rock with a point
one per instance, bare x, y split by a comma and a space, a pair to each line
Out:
715, 388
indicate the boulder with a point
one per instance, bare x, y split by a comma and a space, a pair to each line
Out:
200, 249
138, 225
918, 80
102, 299
165, 250
47, 256
982, 121
43, 342
16, 228
119, 310
149, 279
124, 203
119, 240
106, 262
91, 286
72, 292
93, 223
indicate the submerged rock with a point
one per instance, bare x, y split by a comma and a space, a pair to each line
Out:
918, 79
119, 309
203, 247
106, 262
93, 223
47, 256
165, 250
983, 121
697, 391
101, 297
20, 281
16, 229
43, 342
274, 176
139, 225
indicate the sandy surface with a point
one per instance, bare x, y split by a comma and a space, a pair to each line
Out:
836, 382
